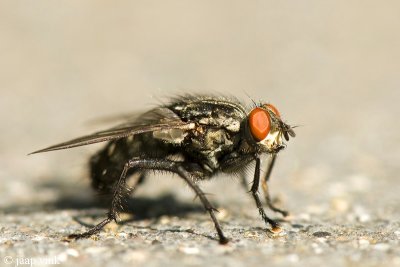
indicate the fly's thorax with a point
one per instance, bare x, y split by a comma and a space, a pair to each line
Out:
211, 139
208, 145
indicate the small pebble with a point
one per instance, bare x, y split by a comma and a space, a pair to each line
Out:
363, 243
361, 214
397, 233
155, 242
381, 246
322, 234
317, 248
38, 238
189, 250
72, 252
165, 220
122, 234
63, 256
251, 234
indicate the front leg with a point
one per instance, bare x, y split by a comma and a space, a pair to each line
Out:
266, 191
254, 191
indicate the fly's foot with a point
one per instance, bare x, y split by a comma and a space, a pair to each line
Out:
275, 227
272, 206
223, 240
93, 230
79, 236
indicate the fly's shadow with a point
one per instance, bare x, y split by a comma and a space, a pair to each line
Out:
139, 207
78, 198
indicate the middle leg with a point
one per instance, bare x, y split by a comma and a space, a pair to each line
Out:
266, 191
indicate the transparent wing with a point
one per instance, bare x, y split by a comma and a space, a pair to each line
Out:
155, 120
115, 118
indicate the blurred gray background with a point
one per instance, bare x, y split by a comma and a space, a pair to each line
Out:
330, 66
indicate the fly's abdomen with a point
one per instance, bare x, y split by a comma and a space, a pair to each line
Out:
106, 166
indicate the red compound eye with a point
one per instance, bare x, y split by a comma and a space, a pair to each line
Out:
259, 123
273, 109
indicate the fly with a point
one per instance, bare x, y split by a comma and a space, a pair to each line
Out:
195, 137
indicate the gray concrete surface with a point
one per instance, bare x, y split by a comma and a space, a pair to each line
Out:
330, 66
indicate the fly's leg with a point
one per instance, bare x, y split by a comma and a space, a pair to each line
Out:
93, 230
266, 191
120, 192
254, 190
186, 176
153, 164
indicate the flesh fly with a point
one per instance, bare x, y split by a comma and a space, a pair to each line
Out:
195, 137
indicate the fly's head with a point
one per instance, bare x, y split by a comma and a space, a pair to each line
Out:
267, 129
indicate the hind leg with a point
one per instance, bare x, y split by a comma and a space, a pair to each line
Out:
121, 192
111, 215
